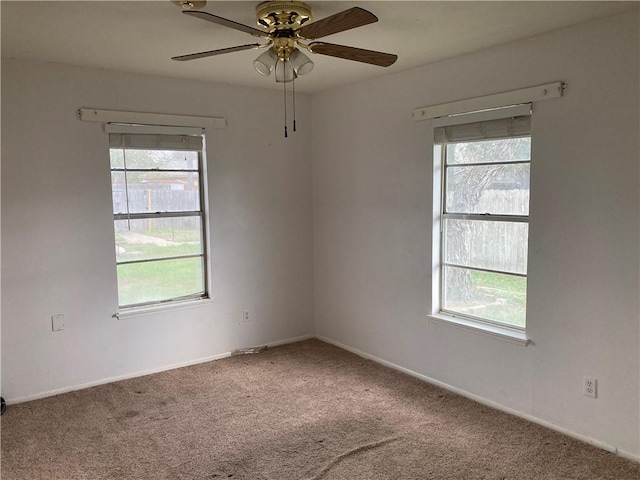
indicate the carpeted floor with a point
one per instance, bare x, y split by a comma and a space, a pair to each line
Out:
306, 411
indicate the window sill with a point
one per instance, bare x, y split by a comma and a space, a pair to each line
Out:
503, 333
161, 308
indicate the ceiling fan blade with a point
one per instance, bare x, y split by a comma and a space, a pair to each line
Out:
209, 17
211, 53
352, 18
351, 53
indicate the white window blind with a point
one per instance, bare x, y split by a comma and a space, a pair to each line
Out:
480, 126
155, 142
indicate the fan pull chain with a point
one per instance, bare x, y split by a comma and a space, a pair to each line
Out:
294, 102
284, 87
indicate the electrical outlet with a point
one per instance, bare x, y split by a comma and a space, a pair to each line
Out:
245, 316
590, 387
57, 322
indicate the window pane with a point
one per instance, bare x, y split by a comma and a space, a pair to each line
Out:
498, 297
485, 151
156, 192
145, 239
118, 193
487, 244
117, 157
497, 189
161, 280
154, 159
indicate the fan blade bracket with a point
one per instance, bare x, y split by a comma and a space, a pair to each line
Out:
340, 22
371, 57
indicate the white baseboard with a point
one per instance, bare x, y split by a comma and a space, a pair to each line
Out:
629, 456
81, 386
484, 401
301, 338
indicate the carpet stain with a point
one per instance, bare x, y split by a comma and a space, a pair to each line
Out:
354, 451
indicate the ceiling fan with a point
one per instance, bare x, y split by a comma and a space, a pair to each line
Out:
286, 26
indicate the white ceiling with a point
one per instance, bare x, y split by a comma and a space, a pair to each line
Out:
141, 36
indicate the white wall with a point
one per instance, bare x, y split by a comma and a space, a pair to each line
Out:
372, 232
57, 233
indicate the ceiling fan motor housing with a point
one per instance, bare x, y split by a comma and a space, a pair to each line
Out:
275, 15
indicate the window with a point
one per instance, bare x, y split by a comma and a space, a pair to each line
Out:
482, 188
158, 215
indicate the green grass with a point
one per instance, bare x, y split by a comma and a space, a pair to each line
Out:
157, 281
177, 235
491, 296
164, 279
506, 297
143, 251
513, 287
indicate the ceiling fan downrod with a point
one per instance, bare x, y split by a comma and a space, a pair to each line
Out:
189, 4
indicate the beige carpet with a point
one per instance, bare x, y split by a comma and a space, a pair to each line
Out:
306, 411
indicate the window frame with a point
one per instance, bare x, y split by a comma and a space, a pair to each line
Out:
201, 213
440, 215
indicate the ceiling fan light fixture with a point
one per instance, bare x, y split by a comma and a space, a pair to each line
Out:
300, 62
285, 72
266, 62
